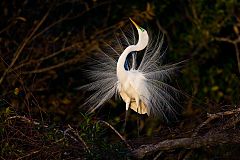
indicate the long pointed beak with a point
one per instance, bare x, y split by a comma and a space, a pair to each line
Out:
135, 24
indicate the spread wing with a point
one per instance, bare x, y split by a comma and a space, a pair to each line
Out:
162, 99
102, 70
102, 74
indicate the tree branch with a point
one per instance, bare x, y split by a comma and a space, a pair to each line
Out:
235, 43
212, 137
194, 142
214, 116
22, 46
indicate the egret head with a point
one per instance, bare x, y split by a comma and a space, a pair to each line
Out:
142, 36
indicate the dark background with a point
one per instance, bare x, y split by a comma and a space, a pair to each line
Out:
45, 44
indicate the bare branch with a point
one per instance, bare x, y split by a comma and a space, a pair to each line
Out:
213, 137
235, 43
122, 138
28, 155
26, 120
22, 45
214, 116
78, 136
71, 61
196, 142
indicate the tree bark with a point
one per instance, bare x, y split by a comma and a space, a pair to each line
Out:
212, 139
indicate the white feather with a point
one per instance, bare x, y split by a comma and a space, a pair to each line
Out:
148, 79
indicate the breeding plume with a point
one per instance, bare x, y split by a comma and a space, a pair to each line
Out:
137, 74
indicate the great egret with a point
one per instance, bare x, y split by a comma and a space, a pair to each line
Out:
143, 87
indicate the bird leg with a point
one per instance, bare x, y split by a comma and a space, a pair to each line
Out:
126, 114
138, 120
125, 121
127, 103
138, 105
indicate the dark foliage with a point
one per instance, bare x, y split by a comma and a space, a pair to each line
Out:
44, 46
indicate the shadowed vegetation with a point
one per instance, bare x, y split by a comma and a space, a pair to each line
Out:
45, 45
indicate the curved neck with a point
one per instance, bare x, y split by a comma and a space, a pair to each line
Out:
121, 72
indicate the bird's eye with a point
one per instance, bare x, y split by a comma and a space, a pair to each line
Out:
142, 29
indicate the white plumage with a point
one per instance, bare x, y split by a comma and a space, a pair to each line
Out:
143, 87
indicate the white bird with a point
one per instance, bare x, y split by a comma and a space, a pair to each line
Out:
143, 87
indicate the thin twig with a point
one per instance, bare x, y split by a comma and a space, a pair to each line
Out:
158, 155
49, 27
77, 45
225, 113
8, 26
201, 125
22, 46
214, 116
235, 43
79, 137
34, 152
164, 31
122, 138
71, 61
46, 57
232, 122
25, 119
